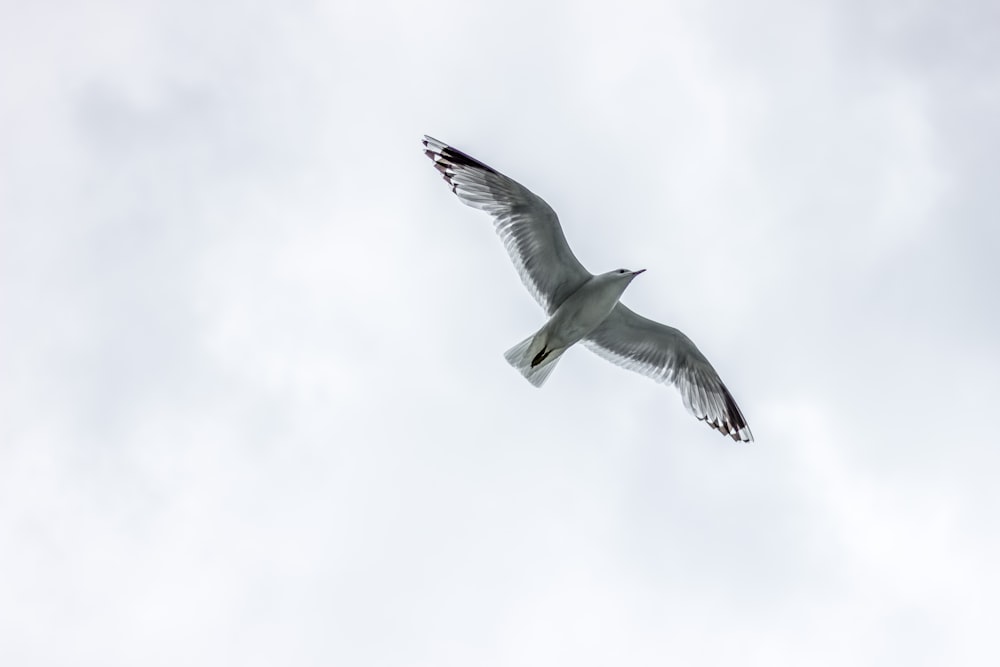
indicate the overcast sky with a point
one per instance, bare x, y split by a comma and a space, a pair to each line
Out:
254, 408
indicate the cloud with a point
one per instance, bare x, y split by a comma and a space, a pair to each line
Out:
255, 407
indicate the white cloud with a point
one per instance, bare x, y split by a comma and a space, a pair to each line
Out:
255, 407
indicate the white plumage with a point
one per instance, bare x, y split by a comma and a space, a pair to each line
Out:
582, 306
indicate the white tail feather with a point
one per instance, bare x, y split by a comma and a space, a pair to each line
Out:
520, 357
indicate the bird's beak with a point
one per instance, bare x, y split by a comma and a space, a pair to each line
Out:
635, 273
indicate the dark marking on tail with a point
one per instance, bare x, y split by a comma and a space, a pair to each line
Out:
540, 357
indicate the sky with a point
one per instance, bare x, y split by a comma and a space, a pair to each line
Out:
254, 408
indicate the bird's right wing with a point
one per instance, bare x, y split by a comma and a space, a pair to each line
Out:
528, 227
667, 355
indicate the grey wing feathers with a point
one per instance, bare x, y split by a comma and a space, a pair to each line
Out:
667, 355
528, 227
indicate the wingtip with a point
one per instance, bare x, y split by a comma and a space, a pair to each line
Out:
451, 157
433, 145
734, 431
739, 433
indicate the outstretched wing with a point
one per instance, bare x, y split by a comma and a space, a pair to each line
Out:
666, 355
527, 225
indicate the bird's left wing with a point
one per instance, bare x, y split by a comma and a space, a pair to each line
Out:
527, 225
667, 355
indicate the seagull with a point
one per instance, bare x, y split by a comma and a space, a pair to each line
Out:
582, 307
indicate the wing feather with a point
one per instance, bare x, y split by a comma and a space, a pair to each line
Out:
528, 227
667, 355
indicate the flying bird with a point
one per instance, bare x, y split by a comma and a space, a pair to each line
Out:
582, 307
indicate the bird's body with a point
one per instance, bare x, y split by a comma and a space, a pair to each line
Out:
588, 306
582, 306
576, 317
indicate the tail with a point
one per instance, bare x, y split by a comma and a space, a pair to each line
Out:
532, 359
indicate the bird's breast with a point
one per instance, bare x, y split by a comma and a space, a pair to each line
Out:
581, 313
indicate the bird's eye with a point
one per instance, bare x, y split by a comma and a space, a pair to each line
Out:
621, 270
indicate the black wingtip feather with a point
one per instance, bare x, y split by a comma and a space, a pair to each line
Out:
452, 156
732, 423
457, 157
447, 158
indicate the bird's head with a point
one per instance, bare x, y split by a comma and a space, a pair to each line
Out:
618, 280
624, 274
